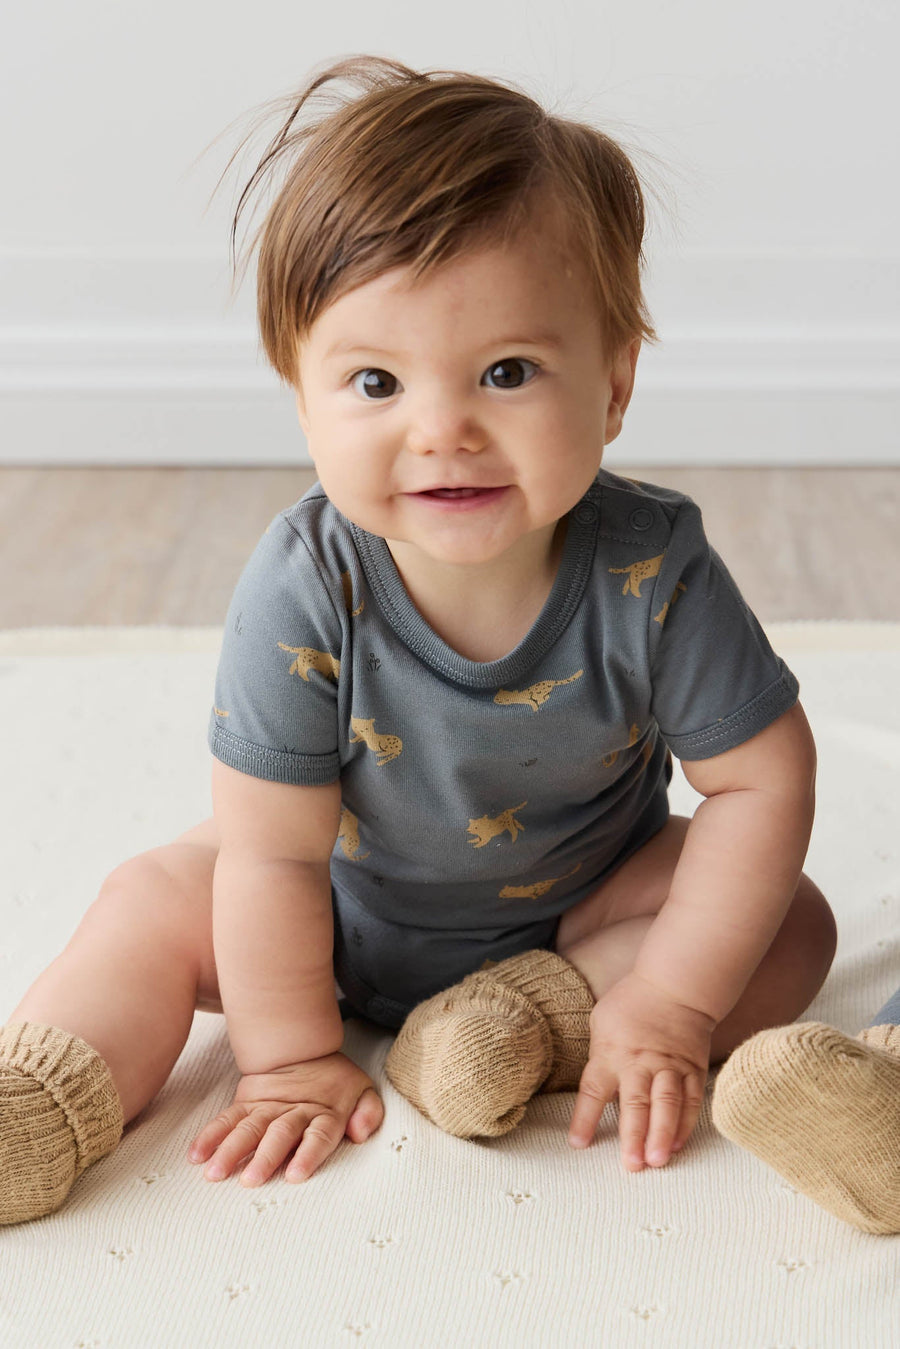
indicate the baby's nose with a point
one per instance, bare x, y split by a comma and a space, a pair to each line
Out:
445, 433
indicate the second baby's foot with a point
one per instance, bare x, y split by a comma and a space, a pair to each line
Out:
823, 1110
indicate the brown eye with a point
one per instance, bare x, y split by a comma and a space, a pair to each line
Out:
375, 383
511, 373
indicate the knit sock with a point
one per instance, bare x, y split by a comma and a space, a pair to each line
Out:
472, 1057
59, 1112
823, 1110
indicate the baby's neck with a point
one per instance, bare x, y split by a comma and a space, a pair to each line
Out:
483, 610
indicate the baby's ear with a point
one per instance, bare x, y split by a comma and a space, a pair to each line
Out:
621, 385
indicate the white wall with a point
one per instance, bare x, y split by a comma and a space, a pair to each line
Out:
768, 126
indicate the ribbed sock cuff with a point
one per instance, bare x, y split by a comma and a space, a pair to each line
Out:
77, 1079
882, 1037
563, 996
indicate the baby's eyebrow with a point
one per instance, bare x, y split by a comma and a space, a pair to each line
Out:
347, 348
506, 345
538, 338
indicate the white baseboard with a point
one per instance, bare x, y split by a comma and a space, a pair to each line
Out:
136, 360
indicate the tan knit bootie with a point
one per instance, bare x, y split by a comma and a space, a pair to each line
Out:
472, 1057
823, 1110
59, 1112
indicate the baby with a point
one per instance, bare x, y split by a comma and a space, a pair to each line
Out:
451, 682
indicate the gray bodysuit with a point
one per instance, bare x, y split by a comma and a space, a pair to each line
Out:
481, 800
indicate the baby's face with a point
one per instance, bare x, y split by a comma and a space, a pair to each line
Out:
461, 416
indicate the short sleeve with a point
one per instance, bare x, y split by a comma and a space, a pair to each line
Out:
275, 708
716, 681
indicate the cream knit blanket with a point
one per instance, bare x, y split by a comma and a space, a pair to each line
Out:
417, 1240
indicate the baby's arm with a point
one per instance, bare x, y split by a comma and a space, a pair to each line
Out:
273, 930
730, 892
738, 870
273, 937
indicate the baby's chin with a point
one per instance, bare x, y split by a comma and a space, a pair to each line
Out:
530, 554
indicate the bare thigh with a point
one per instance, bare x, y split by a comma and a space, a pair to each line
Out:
602, 935
189, 862
638, 889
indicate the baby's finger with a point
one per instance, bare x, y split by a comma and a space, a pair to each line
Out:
690, 1110
280, 1139
634, 1116
214, 1133
596, 1089
321, 1138
667, 1100
244, 1138
366, 1118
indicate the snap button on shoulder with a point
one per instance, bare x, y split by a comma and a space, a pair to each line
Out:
641, 519
585, 512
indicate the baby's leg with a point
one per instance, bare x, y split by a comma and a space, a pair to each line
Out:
824, 1111
96, 1036
137, 966
601, 937
472, 1057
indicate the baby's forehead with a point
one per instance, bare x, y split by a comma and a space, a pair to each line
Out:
410, 165
541, 267
488, 297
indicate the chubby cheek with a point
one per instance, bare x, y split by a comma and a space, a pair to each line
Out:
563, 480
568, 443
357, 485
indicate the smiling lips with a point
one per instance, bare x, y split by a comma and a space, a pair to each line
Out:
459, 493
452, 493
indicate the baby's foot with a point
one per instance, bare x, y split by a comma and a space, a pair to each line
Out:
472, 1057
59, 1112
823, 1110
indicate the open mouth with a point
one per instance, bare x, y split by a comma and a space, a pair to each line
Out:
461, 494
453, 493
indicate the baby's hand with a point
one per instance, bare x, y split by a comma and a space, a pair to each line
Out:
654, 1053
313, 1104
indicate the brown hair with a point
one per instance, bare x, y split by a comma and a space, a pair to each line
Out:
414, 168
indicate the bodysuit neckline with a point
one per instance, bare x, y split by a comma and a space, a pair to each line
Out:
421, 639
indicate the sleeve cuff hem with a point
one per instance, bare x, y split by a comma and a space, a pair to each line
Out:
742, 725
274, 765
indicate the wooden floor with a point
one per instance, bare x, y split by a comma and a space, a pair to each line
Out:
146, 546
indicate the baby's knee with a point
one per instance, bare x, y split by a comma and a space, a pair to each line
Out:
144, 886
816, 928
179, 872
162, 898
